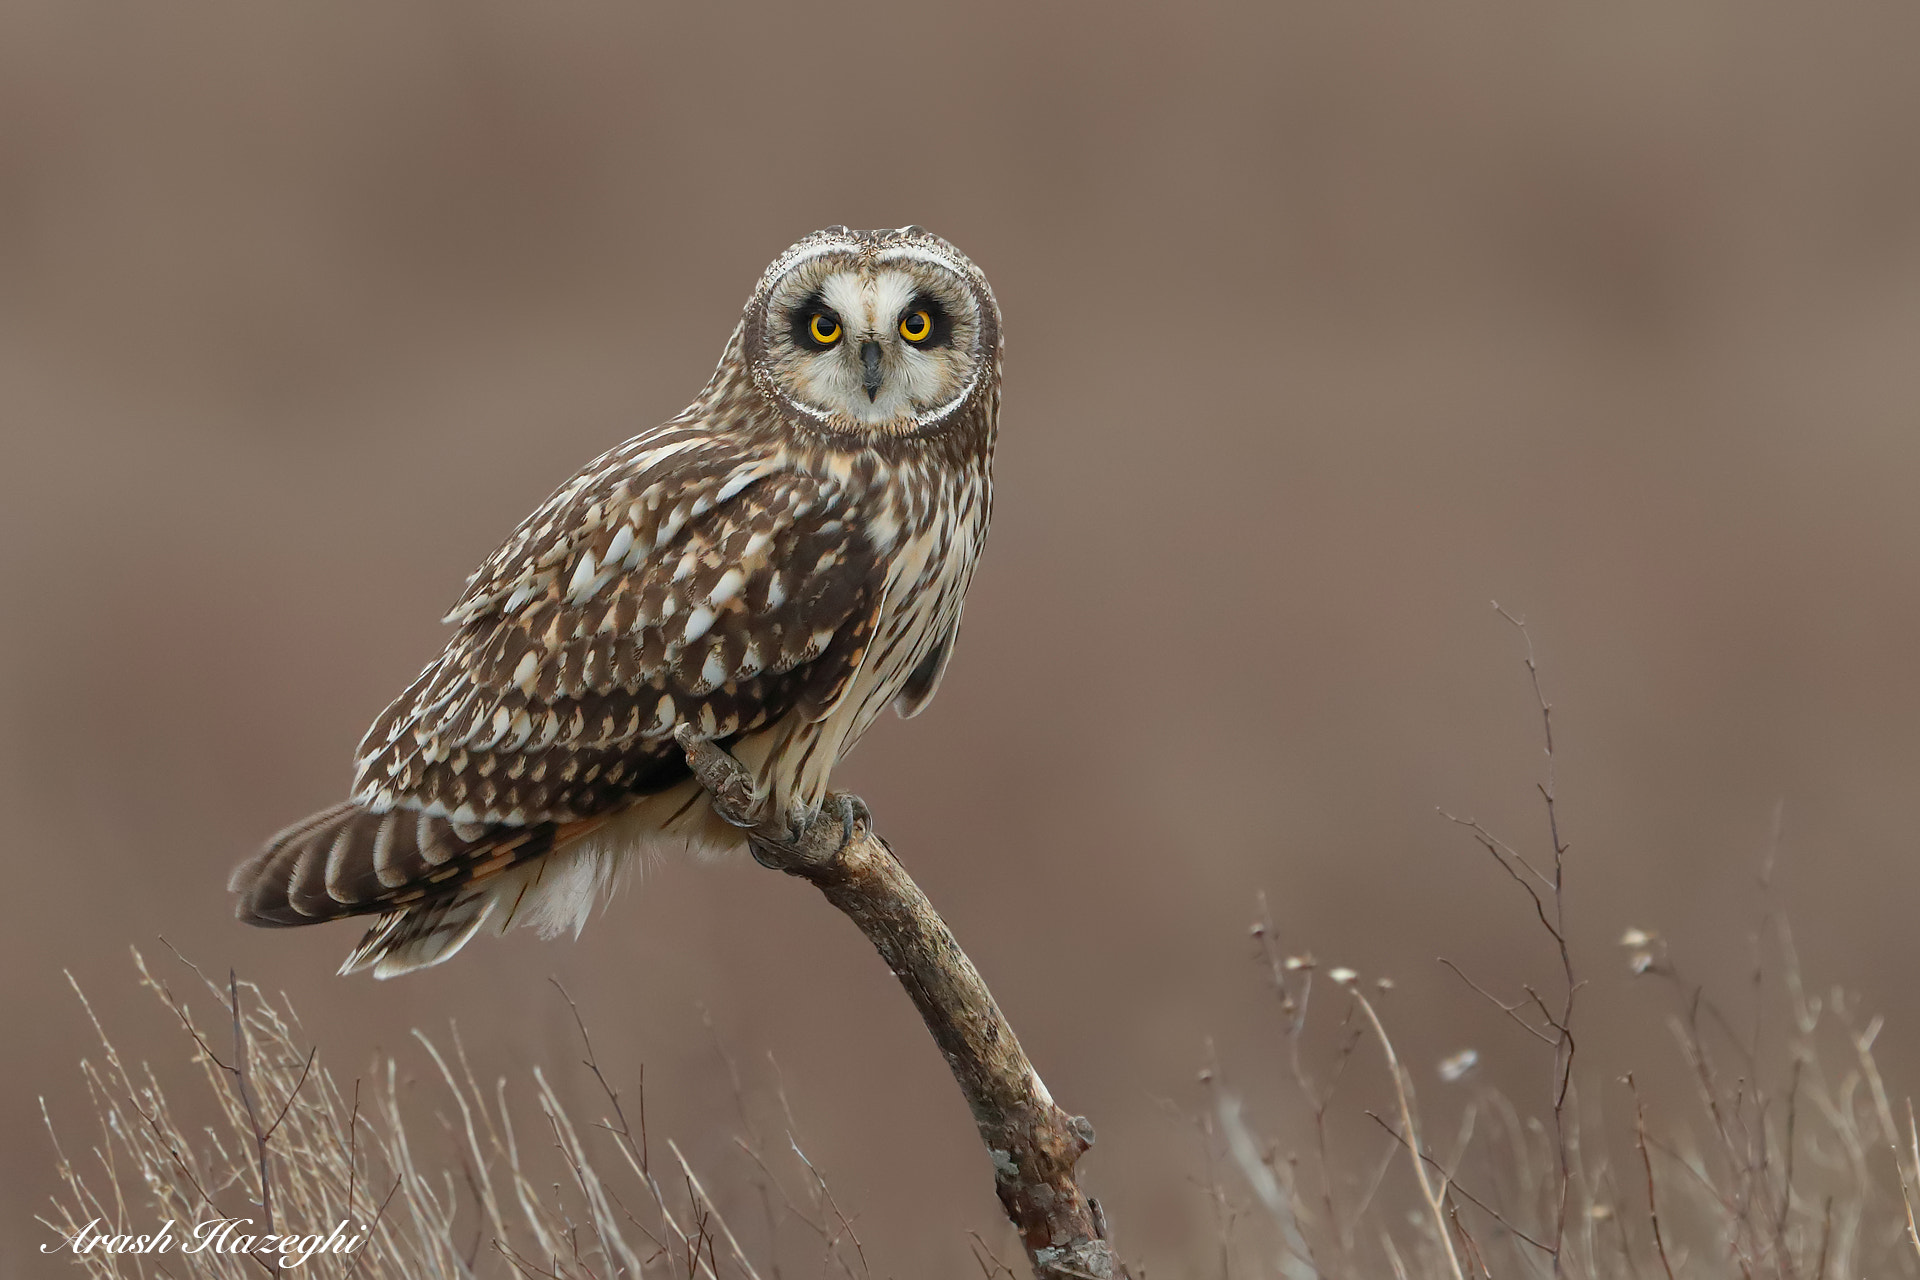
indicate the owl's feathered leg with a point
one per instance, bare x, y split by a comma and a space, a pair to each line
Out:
727, 781
796, 835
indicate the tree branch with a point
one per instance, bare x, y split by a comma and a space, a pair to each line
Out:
1034, 1144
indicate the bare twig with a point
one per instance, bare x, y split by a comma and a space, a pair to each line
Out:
713, 1210
1547, 892
1906, 1190
1292, 978
261, 1136
1646, 1160
1511, 1010
1033, 1143
1435, 1196
1453, 1183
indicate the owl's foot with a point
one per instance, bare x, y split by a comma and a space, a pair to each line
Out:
729, 786
816, 839
802, 839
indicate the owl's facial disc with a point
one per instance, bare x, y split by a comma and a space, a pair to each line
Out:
887, 342
876, 346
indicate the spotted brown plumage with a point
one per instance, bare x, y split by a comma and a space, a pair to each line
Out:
772, 567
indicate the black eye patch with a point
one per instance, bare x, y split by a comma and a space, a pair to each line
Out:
941, 322
800, 326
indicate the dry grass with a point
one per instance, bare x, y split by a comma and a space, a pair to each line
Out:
287, 1143
1791, 1163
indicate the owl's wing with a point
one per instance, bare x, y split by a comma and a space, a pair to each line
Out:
663, 586
924, 681
718, 598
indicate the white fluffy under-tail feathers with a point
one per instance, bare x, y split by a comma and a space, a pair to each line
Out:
555, 894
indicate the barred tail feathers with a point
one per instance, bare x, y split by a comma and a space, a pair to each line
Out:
349, 860
419, 937
435, 885
555, 894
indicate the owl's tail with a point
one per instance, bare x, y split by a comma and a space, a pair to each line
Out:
435, 883
419, 937
432, 882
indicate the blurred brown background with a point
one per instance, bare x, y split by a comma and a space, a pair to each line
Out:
1326, 326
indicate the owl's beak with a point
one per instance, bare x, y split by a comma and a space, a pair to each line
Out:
870, 358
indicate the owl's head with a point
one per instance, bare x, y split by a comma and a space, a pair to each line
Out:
884, 332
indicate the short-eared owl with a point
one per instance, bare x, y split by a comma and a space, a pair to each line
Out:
772, 567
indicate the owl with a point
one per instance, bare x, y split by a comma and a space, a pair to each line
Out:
770, 569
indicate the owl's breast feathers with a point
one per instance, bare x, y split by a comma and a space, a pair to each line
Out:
773, 592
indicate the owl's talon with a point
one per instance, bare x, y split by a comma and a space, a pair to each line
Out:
854, 814
799, 822
809, 838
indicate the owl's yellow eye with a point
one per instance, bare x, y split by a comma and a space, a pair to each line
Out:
916, 327
824, 328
